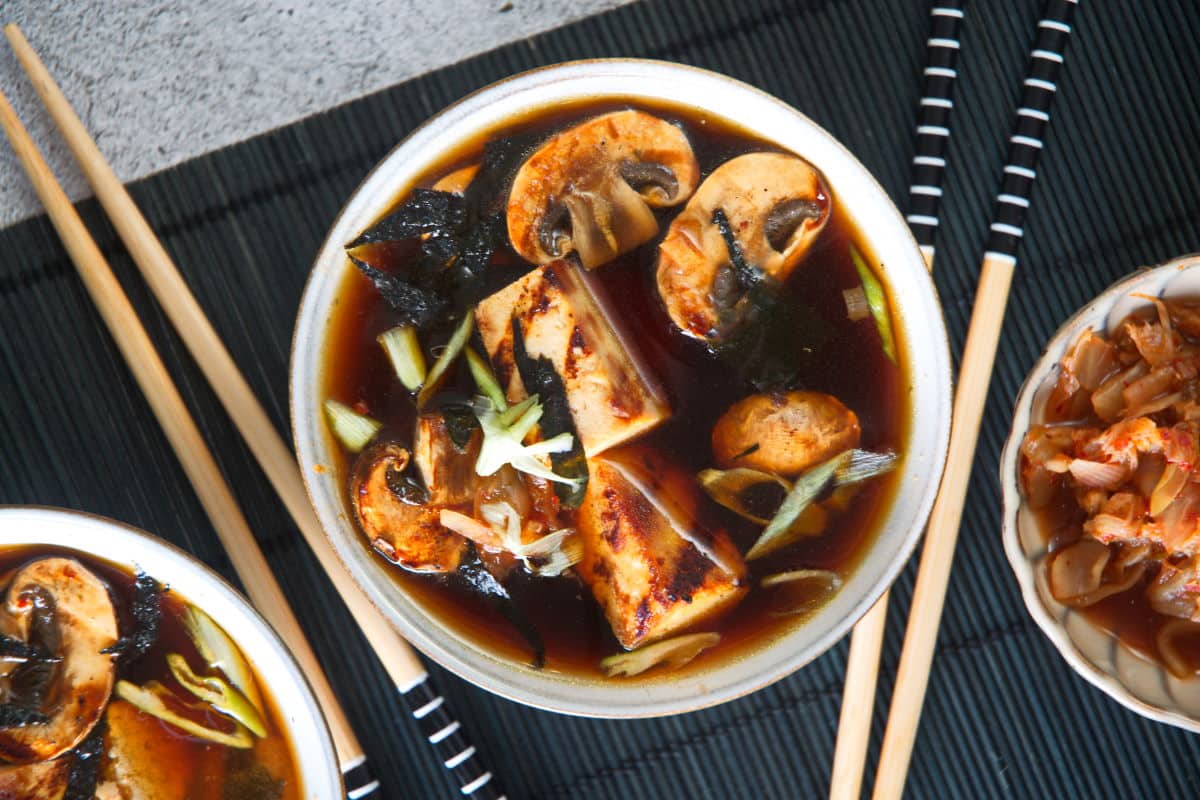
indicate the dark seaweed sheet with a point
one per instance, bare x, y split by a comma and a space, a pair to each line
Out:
477, 577
541, 378
85, 769
146, 610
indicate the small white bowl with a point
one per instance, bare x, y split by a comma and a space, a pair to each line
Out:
1138, 683
919, 317
126, 546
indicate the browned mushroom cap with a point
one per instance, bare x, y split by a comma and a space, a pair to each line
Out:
394, 515
590, 189
783, 433
776, 205
60, 605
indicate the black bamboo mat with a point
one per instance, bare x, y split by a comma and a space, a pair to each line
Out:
1005, 716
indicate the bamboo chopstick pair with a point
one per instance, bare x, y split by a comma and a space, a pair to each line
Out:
979, 352
429, 708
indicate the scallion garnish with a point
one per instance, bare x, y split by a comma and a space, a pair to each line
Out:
404, 351
458, 340
849, 466
673, 652
481, 371
877, 302
352, 429
503, 440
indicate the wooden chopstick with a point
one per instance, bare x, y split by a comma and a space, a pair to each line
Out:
428, 707
925, 195
979, 352
181, 430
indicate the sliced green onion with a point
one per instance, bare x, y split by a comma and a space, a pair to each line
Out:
788, 525
404, 351
151, 700
672, 652
481, 371
352, 429
877, 302
503, 437
823, 584
441, 367
727, 487
219, 652
218, 694
806, 489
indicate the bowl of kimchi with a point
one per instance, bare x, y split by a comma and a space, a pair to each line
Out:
1101, 486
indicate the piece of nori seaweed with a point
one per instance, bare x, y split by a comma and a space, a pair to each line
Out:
13, 715
84, 775
774, 336
146, 610
461, 423
417, 306
541, 378
426, 211
476, 576
12, 648
747, 276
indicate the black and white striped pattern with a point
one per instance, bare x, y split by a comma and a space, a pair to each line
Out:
1026, 142
449, 741
356, 777
933, 120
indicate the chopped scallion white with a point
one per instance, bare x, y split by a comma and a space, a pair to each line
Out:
404, 351
876, 302
673, 652
481, 371
352, 429
437, 374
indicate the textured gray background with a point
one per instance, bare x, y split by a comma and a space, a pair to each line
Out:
159, 82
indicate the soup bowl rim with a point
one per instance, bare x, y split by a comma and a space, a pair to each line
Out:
1125, 666
126, 546
916, 309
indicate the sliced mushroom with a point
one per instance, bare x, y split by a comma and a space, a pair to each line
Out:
392, 509
591, 189
447, 472
65, 609
776, 205
783, 433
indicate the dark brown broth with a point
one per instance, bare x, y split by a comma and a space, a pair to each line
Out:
852, 367
210, 761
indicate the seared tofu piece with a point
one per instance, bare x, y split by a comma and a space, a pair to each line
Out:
652, 565
448, 473
45, 780
565, 318
145, 760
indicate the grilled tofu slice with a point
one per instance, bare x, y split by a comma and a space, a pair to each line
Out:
652, 565
565, 318
448, 473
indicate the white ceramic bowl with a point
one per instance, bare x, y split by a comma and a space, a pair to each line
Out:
1131, 679
919, 317
128, 547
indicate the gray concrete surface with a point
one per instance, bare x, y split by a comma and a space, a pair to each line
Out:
160, 82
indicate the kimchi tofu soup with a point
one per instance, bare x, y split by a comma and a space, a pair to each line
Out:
113, 687
618, 389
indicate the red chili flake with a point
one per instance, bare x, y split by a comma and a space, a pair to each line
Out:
361, 407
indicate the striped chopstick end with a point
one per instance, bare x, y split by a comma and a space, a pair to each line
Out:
933, 131
356, 777
446, 735
1028, 138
